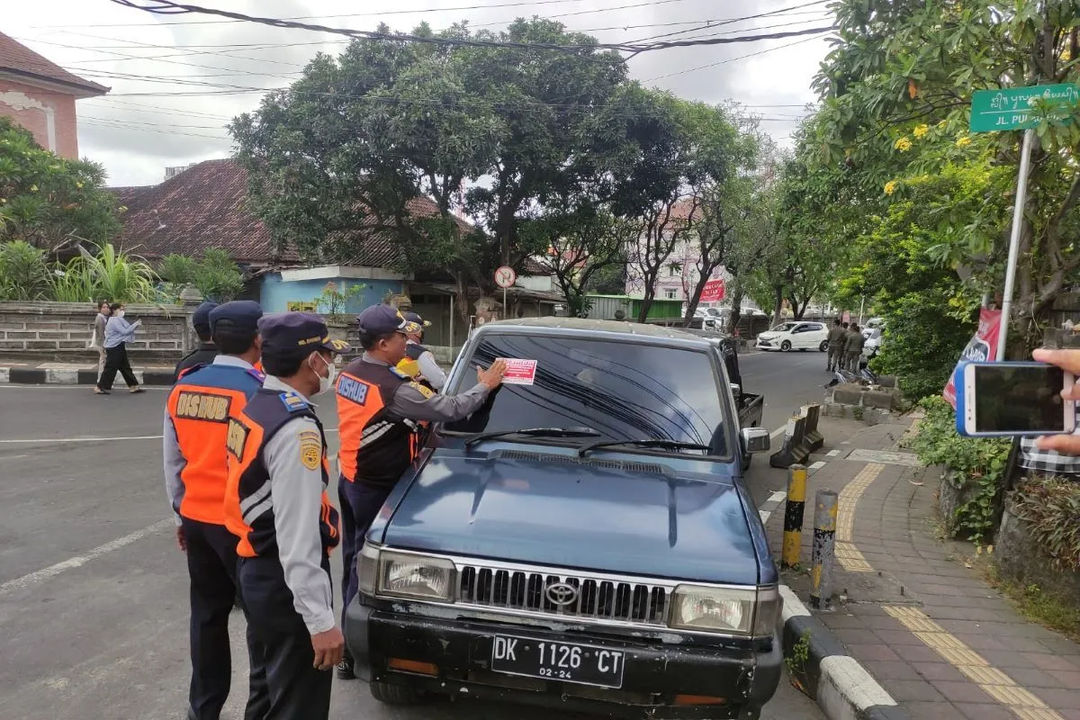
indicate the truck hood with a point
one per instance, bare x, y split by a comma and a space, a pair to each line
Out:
614, 516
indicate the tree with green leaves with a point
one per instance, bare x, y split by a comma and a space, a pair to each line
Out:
49, 201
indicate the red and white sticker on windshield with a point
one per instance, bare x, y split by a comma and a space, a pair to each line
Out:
519, 372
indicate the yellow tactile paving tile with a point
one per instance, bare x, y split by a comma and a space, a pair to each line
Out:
846, 552
997, 684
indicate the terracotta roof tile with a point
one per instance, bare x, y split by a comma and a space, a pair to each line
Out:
19, 59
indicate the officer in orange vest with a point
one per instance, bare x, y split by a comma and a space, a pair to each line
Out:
276, 504
202, 402
379, 411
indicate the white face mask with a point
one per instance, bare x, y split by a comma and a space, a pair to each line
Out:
325, 383
120, 313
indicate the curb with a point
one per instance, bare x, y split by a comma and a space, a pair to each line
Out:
841, 687
51, 376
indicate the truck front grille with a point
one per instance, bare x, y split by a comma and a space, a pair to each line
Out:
597, 598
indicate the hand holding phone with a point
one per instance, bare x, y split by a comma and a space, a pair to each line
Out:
1068, 360
1004, 399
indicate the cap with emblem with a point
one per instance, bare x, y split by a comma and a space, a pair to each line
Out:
238, 314
200, 319
383, 320
290, 334
415, 318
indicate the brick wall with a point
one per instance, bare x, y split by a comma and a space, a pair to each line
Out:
53, 330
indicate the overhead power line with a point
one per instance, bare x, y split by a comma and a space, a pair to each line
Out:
167, 7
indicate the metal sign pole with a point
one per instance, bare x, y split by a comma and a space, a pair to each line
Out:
504, 304
1014, 242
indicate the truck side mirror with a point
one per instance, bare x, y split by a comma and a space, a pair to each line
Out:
755, 440
736, 390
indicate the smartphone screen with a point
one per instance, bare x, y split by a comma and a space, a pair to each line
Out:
1019, 399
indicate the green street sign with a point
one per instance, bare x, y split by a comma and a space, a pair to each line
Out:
1010, 109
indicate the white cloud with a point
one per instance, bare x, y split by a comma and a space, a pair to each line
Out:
136, 135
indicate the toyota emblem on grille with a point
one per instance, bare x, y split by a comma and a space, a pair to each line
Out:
561, 594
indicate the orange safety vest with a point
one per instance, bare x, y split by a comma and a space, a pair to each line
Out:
375, 450
249, 512
200, 406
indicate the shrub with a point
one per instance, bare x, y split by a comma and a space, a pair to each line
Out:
177, 269
333, 301
24, 275
1051, 507
108, 274
971, 464
215, 275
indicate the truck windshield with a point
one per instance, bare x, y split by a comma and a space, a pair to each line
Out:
626, 391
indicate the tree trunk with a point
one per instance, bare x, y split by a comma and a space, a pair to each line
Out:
778, 306
736, 310
646, 303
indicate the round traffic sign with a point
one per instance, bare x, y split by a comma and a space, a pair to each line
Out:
505, 276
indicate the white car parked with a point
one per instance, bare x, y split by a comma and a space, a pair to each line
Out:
796, 335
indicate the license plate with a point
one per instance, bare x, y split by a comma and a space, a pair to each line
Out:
566, 662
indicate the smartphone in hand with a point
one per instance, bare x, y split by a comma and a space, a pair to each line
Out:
1004, 399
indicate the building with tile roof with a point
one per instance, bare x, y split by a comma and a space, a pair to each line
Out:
40, 96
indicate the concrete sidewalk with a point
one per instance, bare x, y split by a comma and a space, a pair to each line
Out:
78, 373
909, 606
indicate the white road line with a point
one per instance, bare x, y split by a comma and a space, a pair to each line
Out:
777, 496
88, 389
778, 432
81, 439
818, 465
765, 515
34, 578
833, 453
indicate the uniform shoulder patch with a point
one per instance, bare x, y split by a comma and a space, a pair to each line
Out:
310, 448
258, 375
422, 389
188, 370
293, 401
400, 374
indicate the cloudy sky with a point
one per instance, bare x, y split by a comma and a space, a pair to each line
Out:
176, 81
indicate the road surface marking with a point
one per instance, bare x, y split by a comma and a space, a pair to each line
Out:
777, 496
994, 682
833, 453
818, 465
765, 515
849, 556
37, 576
778, 432
83, 439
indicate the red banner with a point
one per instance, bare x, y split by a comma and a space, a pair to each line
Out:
982, 348
713, 291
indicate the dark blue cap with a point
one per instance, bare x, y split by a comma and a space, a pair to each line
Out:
289, 334
383, 320
241, 314
200, 319
414, 317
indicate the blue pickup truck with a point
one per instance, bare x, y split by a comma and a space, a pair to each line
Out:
585, 540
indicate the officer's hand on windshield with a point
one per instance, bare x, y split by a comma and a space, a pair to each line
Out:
1068, 360
493, 376
180, 539
329, 647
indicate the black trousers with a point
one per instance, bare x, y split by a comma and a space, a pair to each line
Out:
360, 504
297, 690
116, 359
211, 556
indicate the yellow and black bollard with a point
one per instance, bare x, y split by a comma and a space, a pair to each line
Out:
793, 516
823, 550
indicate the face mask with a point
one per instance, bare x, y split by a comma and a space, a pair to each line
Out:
120, 313
325, 383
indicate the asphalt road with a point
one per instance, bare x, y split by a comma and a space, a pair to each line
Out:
93, 591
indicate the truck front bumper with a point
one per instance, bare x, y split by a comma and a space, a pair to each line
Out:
452, 656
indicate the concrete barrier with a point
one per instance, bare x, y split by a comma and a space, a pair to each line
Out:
794, 451
814, 438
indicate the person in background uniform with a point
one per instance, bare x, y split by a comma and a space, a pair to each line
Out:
379, 409
842, 360
276, 504
855, 343
837, 345
201, 408
206, 351
97, 339
419, 362
118, 333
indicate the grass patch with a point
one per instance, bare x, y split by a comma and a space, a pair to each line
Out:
1039, 605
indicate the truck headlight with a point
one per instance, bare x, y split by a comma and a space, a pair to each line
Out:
415, 576
750, 611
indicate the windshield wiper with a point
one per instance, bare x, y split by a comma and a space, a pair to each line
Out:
672, 444
534, 432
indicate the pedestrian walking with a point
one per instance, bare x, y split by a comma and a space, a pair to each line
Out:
837, 345
419, 362
380, 409
118, 333
97, 336
276, 504
201, 412
206, 350
854, 347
